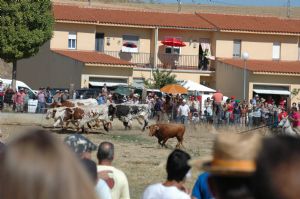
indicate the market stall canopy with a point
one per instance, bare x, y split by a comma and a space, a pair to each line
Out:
174, 89
193, 86
271, 90
173, 42
108, 84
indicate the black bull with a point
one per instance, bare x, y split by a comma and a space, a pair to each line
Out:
126, 113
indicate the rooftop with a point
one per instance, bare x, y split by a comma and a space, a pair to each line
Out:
269, 66
252, 23
76, 13
129, 17
92, 57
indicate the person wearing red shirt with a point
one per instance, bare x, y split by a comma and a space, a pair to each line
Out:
217, 97
295, 118
282, 114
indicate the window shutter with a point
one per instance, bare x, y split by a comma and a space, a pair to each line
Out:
276, 50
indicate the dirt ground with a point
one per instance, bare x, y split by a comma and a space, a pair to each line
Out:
137, 154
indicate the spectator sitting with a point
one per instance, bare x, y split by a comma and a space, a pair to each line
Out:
115, 178
37, 166
173, 187
233, 165
277, 175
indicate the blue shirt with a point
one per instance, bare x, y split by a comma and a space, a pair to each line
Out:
201, 190
101, 100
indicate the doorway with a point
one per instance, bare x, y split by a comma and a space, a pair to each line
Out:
99, 42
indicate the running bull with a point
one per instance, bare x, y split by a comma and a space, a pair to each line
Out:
128, 112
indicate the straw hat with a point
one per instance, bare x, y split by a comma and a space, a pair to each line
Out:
233, 154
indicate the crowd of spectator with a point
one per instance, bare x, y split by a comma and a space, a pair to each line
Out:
175, 108
242, 166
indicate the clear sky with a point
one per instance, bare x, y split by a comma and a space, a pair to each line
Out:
238, 2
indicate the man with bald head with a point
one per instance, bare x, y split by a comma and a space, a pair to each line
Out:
115, 178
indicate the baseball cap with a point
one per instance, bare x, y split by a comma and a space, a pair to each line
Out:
80, 144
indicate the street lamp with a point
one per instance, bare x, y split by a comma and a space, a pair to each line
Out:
245, 57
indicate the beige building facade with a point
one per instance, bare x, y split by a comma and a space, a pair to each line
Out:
136, 38
230, 80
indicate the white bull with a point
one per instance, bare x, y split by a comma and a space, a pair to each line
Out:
59, 115
86, 114
287, 128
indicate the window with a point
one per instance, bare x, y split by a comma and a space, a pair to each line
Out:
130, 44
276, 50
99, 42
72, 40
236, 48
172, 50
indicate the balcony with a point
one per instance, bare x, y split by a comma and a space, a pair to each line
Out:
164, 61
181, 62
142, 60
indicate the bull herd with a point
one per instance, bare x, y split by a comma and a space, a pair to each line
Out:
87, 112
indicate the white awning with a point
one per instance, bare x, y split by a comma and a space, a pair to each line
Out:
193, 86
272, 92
108, 84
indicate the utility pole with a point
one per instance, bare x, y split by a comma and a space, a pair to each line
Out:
288, 9
179, 5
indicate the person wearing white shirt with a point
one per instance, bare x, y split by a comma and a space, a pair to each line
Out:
173, 188
114, 178
183, 112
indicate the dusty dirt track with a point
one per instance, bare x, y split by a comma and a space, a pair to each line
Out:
137, 154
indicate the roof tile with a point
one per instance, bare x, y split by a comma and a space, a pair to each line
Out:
252, 23
92, 57
265, 65
141, 18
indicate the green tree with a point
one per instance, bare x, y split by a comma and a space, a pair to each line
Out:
25, 26
160, 79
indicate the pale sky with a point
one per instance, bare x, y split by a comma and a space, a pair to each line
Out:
238, 2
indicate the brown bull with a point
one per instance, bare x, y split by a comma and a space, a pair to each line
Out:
165, 131
62, 104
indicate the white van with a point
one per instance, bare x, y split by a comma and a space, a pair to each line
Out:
19, 85
32, 102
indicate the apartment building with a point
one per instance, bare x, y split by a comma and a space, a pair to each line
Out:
91, 46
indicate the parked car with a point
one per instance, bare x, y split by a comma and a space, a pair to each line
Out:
86, 93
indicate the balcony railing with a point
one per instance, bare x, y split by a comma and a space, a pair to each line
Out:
140, 59
164, 61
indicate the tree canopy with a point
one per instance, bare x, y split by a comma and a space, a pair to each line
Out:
25, 26
160, 79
